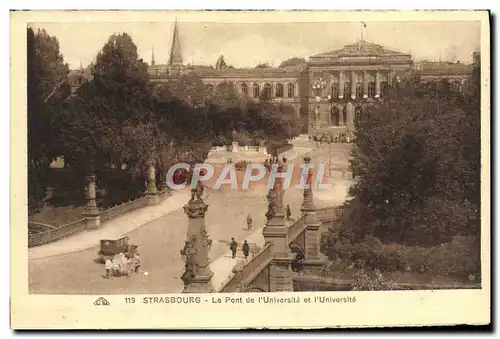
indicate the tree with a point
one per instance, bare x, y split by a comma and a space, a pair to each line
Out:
418, 175
263, 65
46, 74
118, 96
186, 87
293, 62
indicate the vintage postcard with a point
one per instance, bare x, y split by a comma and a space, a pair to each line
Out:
222, 170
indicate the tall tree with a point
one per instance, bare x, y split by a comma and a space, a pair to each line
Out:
413, 156
46, 72
117, 97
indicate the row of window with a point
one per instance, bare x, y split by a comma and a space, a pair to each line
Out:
360, 90
266, 90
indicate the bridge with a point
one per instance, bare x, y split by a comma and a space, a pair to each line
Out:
270, 269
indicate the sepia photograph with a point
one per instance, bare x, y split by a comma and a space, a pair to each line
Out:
185, 155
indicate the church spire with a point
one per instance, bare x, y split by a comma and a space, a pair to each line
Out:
175, 51
153, 56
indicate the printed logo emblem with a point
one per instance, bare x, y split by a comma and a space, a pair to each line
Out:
101, 302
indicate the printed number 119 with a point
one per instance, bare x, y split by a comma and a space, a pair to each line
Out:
130, 300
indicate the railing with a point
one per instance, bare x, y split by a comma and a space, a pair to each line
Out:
38, 227
330, 212
126, 207
53, 233
41, 238
296, 228
251, 270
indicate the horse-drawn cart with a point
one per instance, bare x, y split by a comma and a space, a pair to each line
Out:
112, 247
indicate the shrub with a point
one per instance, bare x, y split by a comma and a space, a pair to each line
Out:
366, 282
459, 258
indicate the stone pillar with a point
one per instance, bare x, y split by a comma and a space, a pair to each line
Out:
313, 262
353, 84
197, 274
377, 84
91, 213
341, 84
365, 84
275, 232
350, 116
152, 190
235, 147
390, 77
163, 181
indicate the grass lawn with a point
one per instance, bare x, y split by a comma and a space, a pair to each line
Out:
57, 216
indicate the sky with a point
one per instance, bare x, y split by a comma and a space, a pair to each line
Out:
247, 44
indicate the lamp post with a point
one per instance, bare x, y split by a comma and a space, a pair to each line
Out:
330, 157
318, 86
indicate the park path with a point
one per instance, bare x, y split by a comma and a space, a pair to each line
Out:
112, 229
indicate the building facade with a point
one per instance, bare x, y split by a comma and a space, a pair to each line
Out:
325, 92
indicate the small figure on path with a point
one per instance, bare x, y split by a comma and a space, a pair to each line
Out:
233, 246
288, 212
284, 159
109, 266
249, 222
246, 249
298, 263
136, 262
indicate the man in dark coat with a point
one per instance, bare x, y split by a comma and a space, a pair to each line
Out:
246, 249
233, 246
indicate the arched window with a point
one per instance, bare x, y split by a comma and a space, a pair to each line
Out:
291, 90
384, 88
359, 90
279, 90
335, 90
209, 88
335, 116
455, 86
371, 89
266, 93
347, 90
244, 89
256, 90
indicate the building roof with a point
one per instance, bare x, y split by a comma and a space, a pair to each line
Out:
228, 72
360, 48
440, 67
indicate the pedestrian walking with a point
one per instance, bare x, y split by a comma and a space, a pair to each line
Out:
233, 247
249, 222
288, 212
109, 266
136, 262
246, 249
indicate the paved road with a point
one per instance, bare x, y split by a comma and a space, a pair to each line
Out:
159, 245
160, 242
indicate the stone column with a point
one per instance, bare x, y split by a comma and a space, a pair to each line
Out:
275, 232
353, 84
163, 180
91, 213
152, 190
312, 262
377, 84
341, 84
197, 274
390, 77
365, 84
350, 116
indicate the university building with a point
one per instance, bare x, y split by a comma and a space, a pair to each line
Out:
325, 92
